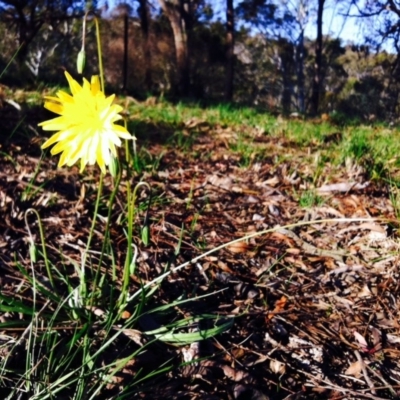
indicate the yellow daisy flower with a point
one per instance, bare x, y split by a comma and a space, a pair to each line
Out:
86, 126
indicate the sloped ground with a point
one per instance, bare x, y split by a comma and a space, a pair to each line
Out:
316, 305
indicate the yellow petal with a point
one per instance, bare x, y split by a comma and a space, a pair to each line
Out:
55, 124
122, 132
54, 107
73, 84
95, 84
85, 128
64, 97
52, 140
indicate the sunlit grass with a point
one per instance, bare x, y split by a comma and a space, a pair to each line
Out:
260, 134
379, 142
309, 199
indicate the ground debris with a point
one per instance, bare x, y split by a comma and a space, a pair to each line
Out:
316, 301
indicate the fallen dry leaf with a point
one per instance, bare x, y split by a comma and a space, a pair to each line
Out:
277, 367
354, 369
239, 247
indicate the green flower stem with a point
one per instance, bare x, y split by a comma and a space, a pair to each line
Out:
84, 31
98, 39
96, 208
11, 60
101, 69
42, 240
110, 205
130, 261
128, 258
127, 153
107, 227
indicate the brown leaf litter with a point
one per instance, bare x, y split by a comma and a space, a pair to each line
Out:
316, 306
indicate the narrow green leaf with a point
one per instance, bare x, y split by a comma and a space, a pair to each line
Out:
188, 338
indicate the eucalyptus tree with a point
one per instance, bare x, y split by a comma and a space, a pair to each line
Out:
295, 33
178, 13
184, 16
276, 24
380, 20
28, 17
317, 81
380, 23
145, 19
302, 20
230, 45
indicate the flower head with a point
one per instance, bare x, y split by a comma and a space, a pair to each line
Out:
86, 126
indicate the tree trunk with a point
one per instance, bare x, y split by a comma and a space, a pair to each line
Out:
285, 52
300, 73
125, 60
317, 82
302, 13
144, 25
230, 43
174, 11
27, 30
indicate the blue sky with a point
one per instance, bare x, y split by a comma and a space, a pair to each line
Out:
337, 26
334, 23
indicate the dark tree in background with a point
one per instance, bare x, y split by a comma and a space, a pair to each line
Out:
178, 14
295, 20
144, 15
317, 81
29, 16
275, 24
230, 45
301, 18
126, 11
